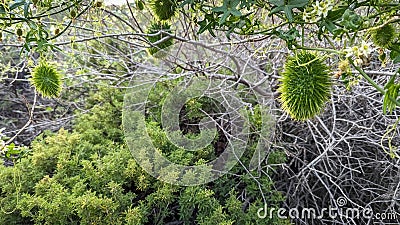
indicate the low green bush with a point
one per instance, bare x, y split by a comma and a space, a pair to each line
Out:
88, 176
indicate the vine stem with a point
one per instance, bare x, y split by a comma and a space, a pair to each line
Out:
372, 82
392, 150
31, 111
318, 49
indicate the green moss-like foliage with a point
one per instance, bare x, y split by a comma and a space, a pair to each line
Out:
88, 176
47, 80
305, 86
154, 29
164, 9
384, 36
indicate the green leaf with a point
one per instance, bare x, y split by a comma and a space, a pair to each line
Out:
222, 9
228, 8
330, 26
2, 10
396, 59
236, 12
351, 20
287, 6
277, 2
395, 53
10, 147
289, 13
26, 8
17, 4
228, 33
203, 26
12, 150
232, 3
207, 24
140, 4
27, 47
336, 14
288, 35
392, 91
390, 83
224, 17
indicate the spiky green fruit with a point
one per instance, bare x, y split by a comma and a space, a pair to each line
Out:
46, 80
164, 9
155, 29
384, 36
305, 86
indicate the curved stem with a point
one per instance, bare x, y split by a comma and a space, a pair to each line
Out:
372, 82
70, 22
318, 49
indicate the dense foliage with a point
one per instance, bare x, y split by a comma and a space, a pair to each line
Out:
87, 176
333, 64
348, 23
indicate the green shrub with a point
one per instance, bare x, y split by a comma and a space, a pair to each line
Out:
88, 176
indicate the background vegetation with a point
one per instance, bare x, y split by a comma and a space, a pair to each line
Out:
65, 156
